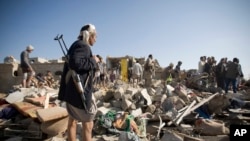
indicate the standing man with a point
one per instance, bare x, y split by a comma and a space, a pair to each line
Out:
219, 74
166, 75
102, 69
201, 64
28, 71
148, 71
178, 70
136, 73
231, 75
240, 76
83, 62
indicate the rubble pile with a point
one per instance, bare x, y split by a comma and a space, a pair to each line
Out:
187, 110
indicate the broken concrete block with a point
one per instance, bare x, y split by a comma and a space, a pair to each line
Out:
151, 109
173, 102
171, 136
152, 128
26, 108
103, 110
211, 127
116, 103
99, 103
30, 91
107, 104
52, 113
55, 127
158, 90
131, 91
99, 94
39, 101
15, 97
146, 96
133, 106
127, 96
218, 104
159, 98
41, 92
150, 91
53, 93
109, 138
169, 90
108, 96
182, 93
156, 83
126, 104
136, 112
119, 92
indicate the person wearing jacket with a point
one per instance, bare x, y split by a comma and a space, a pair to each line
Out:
83, 62
231, 74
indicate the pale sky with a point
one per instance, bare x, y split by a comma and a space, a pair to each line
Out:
170, 30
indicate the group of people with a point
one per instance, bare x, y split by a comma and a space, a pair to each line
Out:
226, 73
91, 70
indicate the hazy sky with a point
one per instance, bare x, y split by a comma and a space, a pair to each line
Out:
171, 30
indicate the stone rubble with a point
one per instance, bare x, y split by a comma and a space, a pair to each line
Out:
182, 112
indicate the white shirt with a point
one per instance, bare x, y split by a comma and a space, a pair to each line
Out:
137, 69
201, 67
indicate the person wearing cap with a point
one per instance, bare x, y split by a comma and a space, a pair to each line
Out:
84, 63
28, 71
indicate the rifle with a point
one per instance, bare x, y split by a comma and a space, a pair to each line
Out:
75, 76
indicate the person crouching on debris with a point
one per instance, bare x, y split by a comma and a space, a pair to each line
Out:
28, 71
83, 62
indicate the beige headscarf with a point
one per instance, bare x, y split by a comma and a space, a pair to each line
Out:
86, 31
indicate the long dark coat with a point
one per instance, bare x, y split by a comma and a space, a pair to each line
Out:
80, 60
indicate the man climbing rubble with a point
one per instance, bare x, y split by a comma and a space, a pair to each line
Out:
28, 71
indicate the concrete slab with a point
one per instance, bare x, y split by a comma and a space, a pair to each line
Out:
15, 97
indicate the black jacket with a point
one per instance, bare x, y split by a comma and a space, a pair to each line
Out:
80, 60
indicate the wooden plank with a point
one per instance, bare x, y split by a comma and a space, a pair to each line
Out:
185, 112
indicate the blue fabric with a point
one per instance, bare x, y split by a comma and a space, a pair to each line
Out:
203, 113
8, 113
